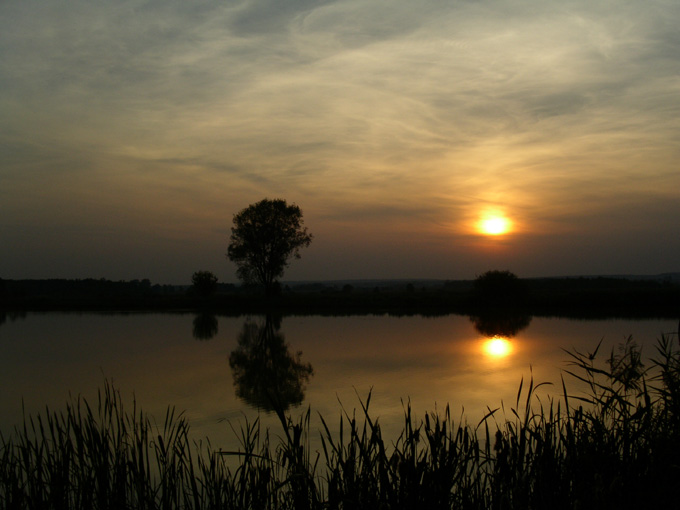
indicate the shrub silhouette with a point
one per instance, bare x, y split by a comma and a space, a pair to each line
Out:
499, 287
204, 282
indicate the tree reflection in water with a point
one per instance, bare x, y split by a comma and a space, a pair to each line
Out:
503, 323
266, 374
205, 326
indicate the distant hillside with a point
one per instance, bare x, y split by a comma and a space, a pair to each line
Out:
663, 277
364, 284
429, 283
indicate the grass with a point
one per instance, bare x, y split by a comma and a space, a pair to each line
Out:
615, 446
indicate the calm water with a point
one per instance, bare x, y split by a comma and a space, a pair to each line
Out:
199, 364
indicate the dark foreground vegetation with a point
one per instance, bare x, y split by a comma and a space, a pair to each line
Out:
617, 446
573, 297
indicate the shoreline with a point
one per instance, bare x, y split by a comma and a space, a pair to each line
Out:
663, 303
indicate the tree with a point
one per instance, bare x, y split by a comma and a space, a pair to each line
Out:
264, 237
204, 282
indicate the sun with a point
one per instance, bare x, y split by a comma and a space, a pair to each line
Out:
494, 225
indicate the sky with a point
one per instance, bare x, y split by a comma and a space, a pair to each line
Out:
132, 131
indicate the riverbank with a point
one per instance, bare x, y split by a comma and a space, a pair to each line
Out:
566, 297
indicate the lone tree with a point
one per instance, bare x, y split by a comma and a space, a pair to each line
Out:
264, 236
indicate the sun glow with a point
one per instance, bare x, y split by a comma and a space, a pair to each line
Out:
497, 347
494, 225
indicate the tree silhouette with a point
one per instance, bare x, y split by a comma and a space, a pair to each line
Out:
266, 374
204, 282
264, 237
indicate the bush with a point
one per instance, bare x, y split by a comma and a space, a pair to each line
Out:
500, 287
204, 283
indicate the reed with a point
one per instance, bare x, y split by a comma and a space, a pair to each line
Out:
615, 446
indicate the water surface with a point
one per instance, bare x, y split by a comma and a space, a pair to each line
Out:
192, 362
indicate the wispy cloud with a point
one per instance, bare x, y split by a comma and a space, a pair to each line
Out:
412, 114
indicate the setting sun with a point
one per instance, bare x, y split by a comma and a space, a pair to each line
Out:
494, 225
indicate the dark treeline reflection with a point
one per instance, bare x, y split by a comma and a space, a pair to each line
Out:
266, 374
205, 326
500, 323
12, 316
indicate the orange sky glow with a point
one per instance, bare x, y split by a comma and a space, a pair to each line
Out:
131, 133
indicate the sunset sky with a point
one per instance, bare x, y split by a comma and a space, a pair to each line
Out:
132, 131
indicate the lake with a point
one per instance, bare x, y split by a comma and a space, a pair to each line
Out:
200, 363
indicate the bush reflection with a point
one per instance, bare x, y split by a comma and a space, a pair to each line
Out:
205, 326
500, 323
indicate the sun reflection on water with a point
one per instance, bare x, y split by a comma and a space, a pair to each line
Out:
497, 347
